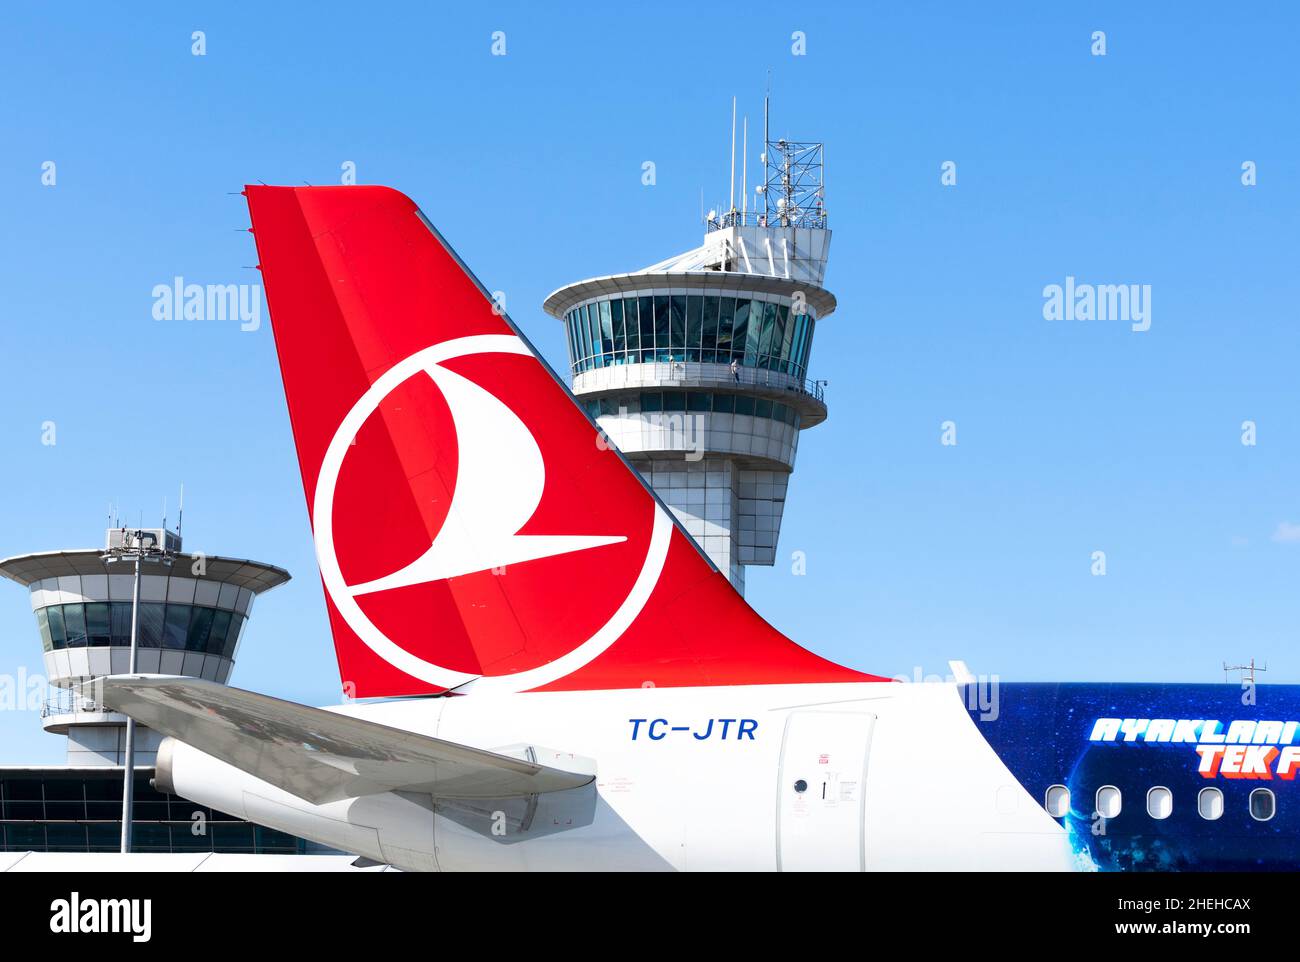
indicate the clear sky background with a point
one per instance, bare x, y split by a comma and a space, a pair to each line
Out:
1073, 436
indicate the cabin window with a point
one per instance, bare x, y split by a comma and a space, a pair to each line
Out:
1160, 802
1209, 803
1108, 801
1262, 804
1057, 801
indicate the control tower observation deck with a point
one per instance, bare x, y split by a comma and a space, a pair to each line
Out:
192, 612
697, 367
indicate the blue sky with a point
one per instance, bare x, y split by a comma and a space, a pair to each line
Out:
1073, 436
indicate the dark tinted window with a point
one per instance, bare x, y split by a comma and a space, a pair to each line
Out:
237, 837
781, 339
199, 638
105, 836
661, 327
1262, 804
43, 626
217, 637
620, 331
151, 624
237, 623
726, 320
767, 331
689, 327
694, 326
200, 627
65, 838
64, 790
740, 327
120, 616
19, 837
176, 626
606, 329
630, 321
74, 623
647, 323
150, 837
677, 339
58, 637
710, 324
97, 625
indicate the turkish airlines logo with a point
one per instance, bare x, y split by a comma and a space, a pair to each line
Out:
499, 484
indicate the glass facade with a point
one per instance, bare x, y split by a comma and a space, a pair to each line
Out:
693, 402
707, 328
81, 811
101, 624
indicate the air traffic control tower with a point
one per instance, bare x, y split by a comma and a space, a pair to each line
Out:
192, 612
697, 367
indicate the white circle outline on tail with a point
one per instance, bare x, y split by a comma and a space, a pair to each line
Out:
343, 595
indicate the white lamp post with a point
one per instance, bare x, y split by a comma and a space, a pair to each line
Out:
137, 546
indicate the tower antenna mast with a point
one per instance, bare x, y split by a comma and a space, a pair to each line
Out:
744, 172
732, 203
767, 98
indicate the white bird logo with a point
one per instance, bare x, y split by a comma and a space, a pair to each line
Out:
499, 483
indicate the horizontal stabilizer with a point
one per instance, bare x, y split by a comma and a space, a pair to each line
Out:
323, 756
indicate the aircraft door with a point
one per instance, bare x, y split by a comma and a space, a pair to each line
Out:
821, 794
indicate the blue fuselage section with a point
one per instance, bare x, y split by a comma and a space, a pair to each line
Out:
1182, 739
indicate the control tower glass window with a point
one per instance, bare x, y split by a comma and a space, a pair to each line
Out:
43, 626
708, 329
197, 628
74, 625
694, 326
662, 328
98, 633
726, 326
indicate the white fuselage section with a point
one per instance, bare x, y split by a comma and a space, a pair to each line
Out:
795, 777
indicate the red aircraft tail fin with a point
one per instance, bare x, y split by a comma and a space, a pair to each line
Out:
471, 528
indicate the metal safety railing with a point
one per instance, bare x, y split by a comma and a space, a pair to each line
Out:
815, 219
657, 373
64, 701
